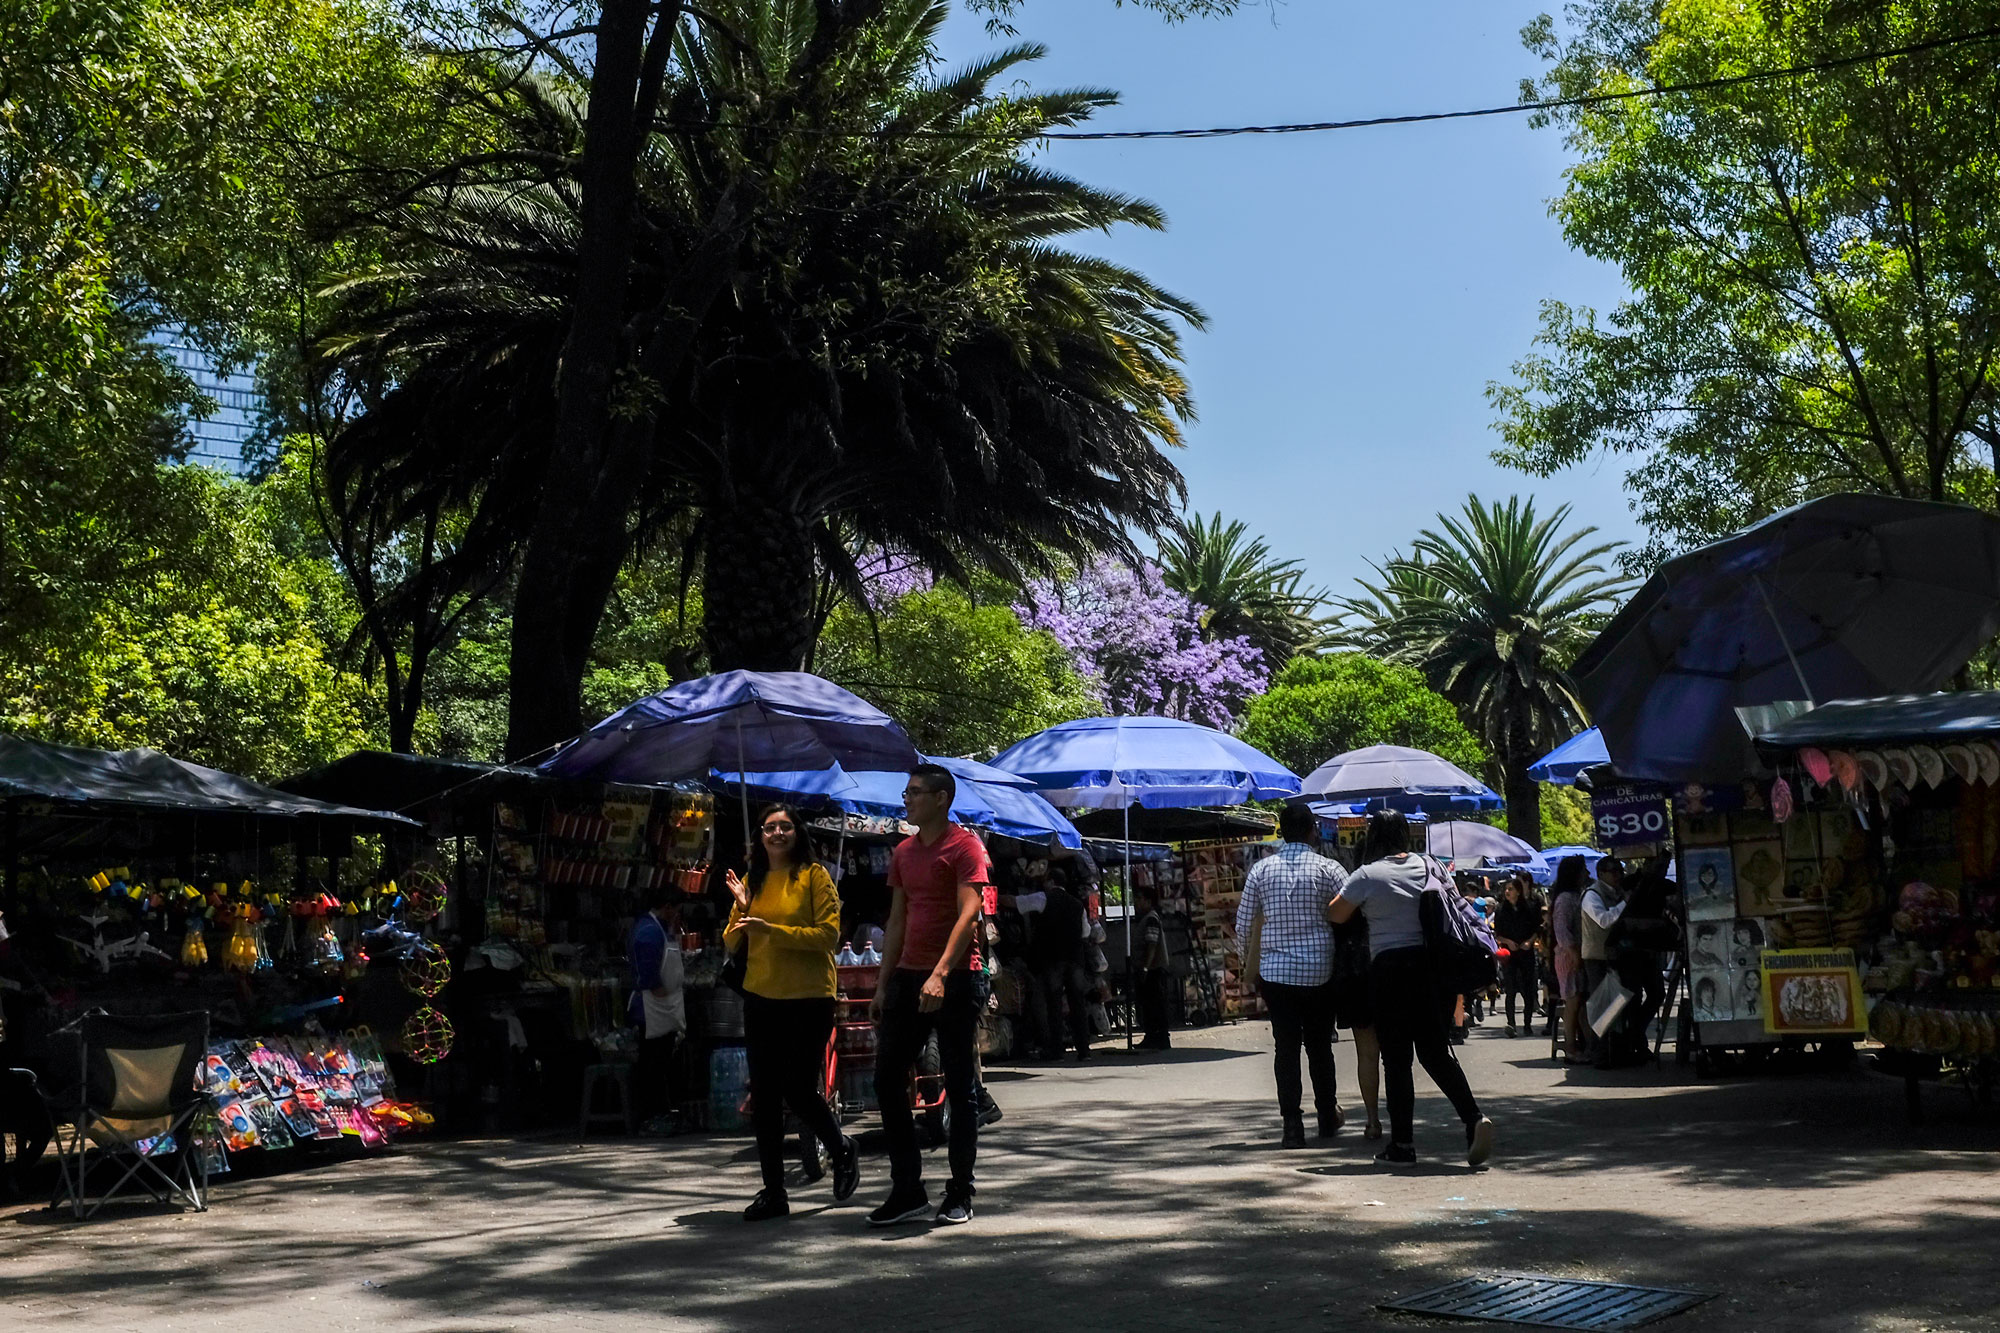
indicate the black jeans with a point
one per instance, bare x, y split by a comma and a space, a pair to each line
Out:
1302, 1016
654, 1076
1517, 975
900, 1040
785, 1043
1155, 994
1639, 972
1413, 1018
1050, 985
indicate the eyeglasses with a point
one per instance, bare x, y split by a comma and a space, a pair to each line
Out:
778, 826
909, 792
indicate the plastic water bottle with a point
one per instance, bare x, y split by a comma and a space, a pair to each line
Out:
728, 1084
846, 957
869, 958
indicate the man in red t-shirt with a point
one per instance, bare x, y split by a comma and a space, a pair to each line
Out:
931, 981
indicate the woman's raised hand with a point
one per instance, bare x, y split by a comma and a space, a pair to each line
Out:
737, 888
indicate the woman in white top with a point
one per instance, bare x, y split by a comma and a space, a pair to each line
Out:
1411, 1007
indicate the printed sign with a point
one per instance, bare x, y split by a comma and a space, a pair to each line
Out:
1629, 817
1812, 992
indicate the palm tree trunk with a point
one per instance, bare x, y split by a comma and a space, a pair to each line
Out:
757, 589
1524, 801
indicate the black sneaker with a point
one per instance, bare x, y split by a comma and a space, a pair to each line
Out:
989, 1110
901, 1206
766, 1206
1510, 1030
1083, 1055
1330, 1125
1295, 1132
1397, 1154
846, 1170
956, 1210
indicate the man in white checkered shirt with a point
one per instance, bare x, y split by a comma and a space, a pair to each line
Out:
1294, 966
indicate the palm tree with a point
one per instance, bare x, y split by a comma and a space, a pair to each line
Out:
900, 354
1245, 591
1492, 606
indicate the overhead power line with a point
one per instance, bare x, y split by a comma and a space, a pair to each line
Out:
1419, 118
1550, 104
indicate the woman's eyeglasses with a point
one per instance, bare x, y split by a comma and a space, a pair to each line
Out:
778, 826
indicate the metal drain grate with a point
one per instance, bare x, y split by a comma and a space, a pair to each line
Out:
1549, 1302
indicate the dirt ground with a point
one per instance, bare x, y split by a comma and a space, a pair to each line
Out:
1137, 1192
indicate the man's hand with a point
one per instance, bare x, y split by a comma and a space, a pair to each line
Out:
932, 997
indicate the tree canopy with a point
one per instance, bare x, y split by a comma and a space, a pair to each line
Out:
1318, 707
963, 677
1813, 260
1492, 606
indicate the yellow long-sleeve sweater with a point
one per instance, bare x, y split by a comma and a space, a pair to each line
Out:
793, 960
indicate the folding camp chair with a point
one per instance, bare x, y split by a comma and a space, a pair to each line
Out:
137, 1086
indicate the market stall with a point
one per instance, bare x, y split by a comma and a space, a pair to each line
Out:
1879, 887
143, 885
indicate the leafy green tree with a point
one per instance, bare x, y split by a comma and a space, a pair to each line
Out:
216, 652
1246, 591
1566, 818
1491, 607
1812, 259
963, 677
906, 360
1318, 707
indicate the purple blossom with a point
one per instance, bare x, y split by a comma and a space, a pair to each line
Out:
1141, 644
890, 576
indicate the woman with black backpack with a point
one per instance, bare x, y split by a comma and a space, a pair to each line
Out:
1411, 1000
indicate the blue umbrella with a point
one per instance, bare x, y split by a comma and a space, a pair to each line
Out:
1456, 839
1002, 807
1159, 763
741, 721
1395, 777
1562, 764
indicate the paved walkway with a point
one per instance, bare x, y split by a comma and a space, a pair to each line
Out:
1133, 1193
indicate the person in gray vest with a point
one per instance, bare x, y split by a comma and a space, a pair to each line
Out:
1603, 904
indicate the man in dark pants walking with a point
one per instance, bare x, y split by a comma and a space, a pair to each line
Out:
1058, 947
931, 981
1290, 892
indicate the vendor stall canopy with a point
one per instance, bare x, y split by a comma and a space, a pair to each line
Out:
1843, 597
1905, 717
64, 796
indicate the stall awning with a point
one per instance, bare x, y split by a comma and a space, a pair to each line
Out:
149, 780
1903, 717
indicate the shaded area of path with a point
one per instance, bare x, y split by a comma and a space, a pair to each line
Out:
1133, 1193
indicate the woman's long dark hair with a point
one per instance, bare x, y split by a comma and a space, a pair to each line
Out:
1571, 875
804, 850
1388, 833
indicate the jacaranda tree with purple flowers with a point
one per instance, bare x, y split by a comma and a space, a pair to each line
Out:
1140, 643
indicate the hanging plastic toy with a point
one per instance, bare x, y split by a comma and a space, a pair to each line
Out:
425, 970
428, 1036
424, 892
326, 955
194, 947
241, 955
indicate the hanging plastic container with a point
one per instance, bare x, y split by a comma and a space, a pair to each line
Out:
728, 1085
194, 948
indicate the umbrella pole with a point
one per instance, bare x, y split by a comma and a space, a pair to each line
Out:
743, 789
1772, 612
1131, 985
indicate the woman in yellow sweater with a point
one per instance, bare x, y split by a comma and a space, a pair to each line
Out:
788, 917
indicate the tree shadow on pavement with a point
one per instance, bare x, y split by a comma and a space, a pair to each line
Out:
1105, 1213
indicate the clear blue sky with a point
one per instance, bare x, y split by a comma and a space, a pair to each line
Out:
1363, 286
